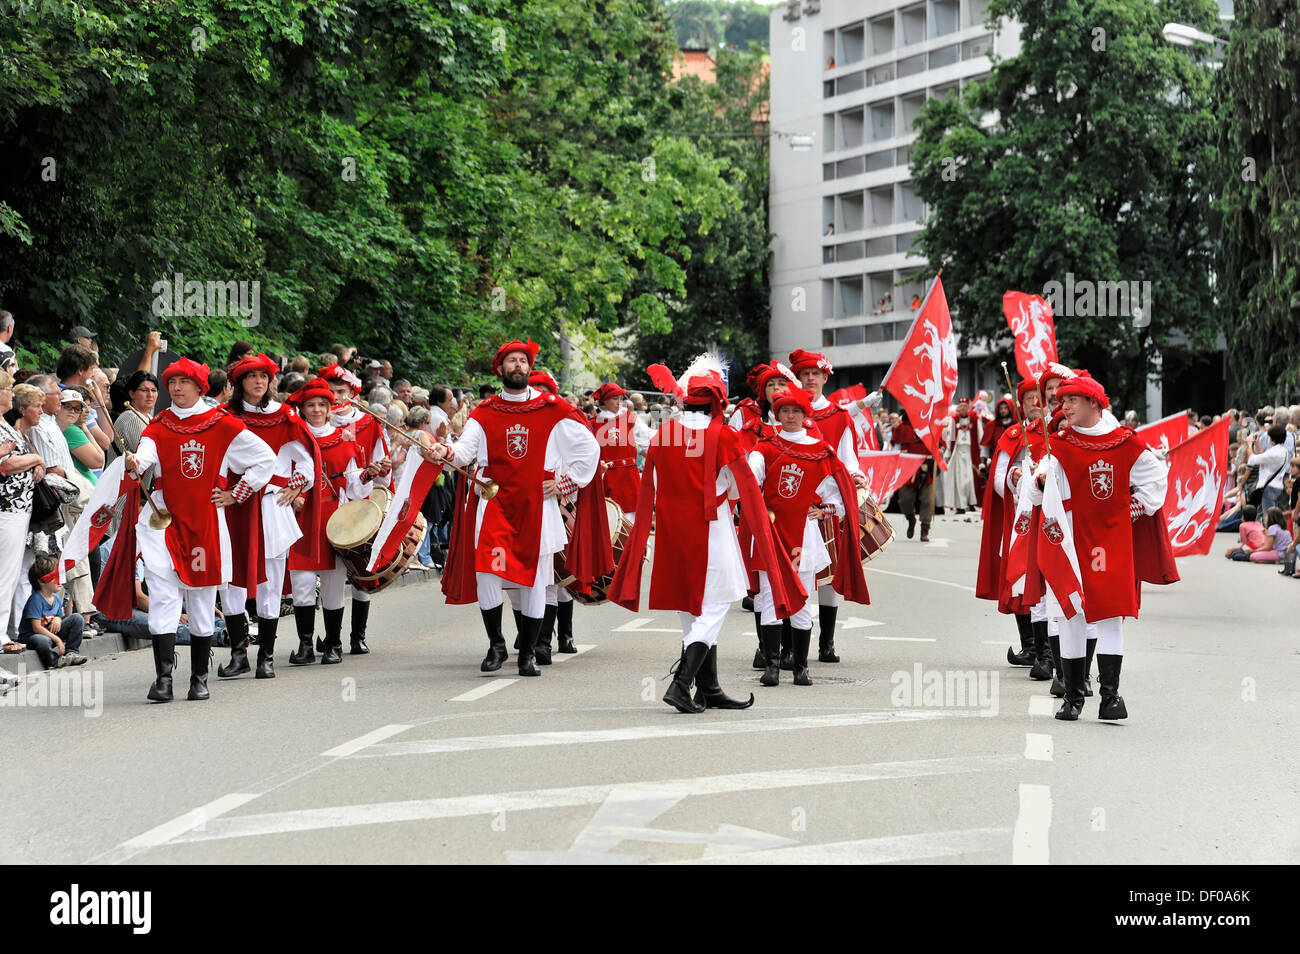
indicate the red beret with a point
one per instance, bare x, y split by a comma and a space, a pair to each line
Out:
607, 390
795, 396
543, 381
770, 371
1085, 387
315, 388
529, 348
253, 362
800, 359
187, 368
1054, 370
707, 388
1024, 387
334, 372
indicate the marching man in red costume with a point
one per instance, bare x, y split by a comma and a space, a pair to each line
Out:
693, 466
196, 450
536, 448
343, 479
839, 427
803, 481
265, 527
619, 434
1098, 488
558, 620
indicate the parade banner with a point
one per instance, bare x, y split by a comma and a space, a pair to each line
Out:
842, 397
886, 471
1031, 321
1197, 469
408, 496
1165, 434
95, 520
924, 375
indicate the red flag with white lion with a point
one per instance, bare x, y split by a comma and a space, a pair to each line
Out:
1032, 323
1197, 468
924, 375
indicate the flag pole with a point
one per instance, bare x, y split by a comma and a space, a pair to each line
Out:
920, 311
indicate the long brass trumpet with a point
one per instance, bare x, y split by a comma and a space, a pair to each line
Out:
488, 488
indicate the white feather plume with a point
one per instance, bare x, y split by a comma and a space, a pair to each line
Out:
703, 364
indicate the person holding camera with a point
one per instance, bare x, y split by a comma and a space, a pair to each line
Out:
1272, 460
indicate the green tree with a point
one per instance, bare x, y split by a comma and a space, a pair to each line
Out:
1260, 246
1098, 163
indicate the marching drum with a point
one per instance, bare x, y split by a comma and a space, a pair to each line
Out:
830, 528
620, 531
877, 533
351, 532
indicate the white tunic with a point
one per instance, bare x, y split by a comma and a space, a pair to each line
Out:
847, 451
571, 450
247, 454
813, 555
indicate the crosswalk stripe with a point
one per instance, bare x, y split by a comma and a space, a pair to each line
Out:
872, 851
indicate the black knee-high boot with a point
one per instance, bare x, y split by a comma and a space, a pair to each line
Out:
519, 627
1042, 668
1072, 705
760, 654
527, 641
305, 618
564, 627
1058, 674
679, 690
772, 649
237, 632
266, 628
1112, 703
708, 691
542, 651
200, 650
1091, 645
826, 636
1026, 655
802, 639
787, 645
333, 652
496, 654
164, 663
357, 638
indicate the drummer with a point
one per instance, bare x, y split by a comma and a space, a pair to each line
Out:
803, 481
839, 429
344, 480
559, 601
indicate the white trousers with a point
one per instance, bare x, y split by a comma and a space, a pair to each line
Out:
556, 594
705, 627
767, 608
13, 544
1076, 632
268, 593
332, 584
532, 599
165, 603
826, 596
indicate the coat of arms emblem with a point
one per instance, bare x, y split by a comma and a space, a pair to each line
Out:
1052, 530
1101, 478
192, 459
517, 441
790, 478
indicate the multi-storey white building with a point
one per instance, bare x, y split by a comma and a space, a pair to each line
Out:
849, 77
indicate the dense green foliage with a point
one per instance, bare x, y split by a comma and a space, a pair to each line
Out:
1100, 163
421, 178
1260, 242
715, 23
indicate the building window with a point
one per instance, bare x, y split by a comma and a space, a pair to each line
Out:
945, 56
882, 34
850, 336
828, 337
944, 17
912, 24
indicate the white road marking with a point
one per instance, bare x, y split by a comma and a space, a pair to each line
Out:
993, 642
1033, 826
626, 816
903, 639
359, 743
564, 657
854, 622
923, 579
344, 816
1042, 705
197, 818
484, 690
937, 543
1038, 746
638, 625
872, 851
663, 730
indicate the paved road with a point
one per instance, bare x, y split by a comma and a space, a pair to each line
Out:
411, 755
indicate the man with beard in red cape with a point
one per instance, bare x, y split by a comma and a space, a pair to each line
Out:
692, 467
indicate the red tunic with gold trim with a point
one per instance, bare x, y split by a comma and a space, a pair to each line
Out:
617, 439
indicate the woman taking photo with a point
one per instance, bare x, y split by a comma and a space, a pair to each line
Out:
141, 396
